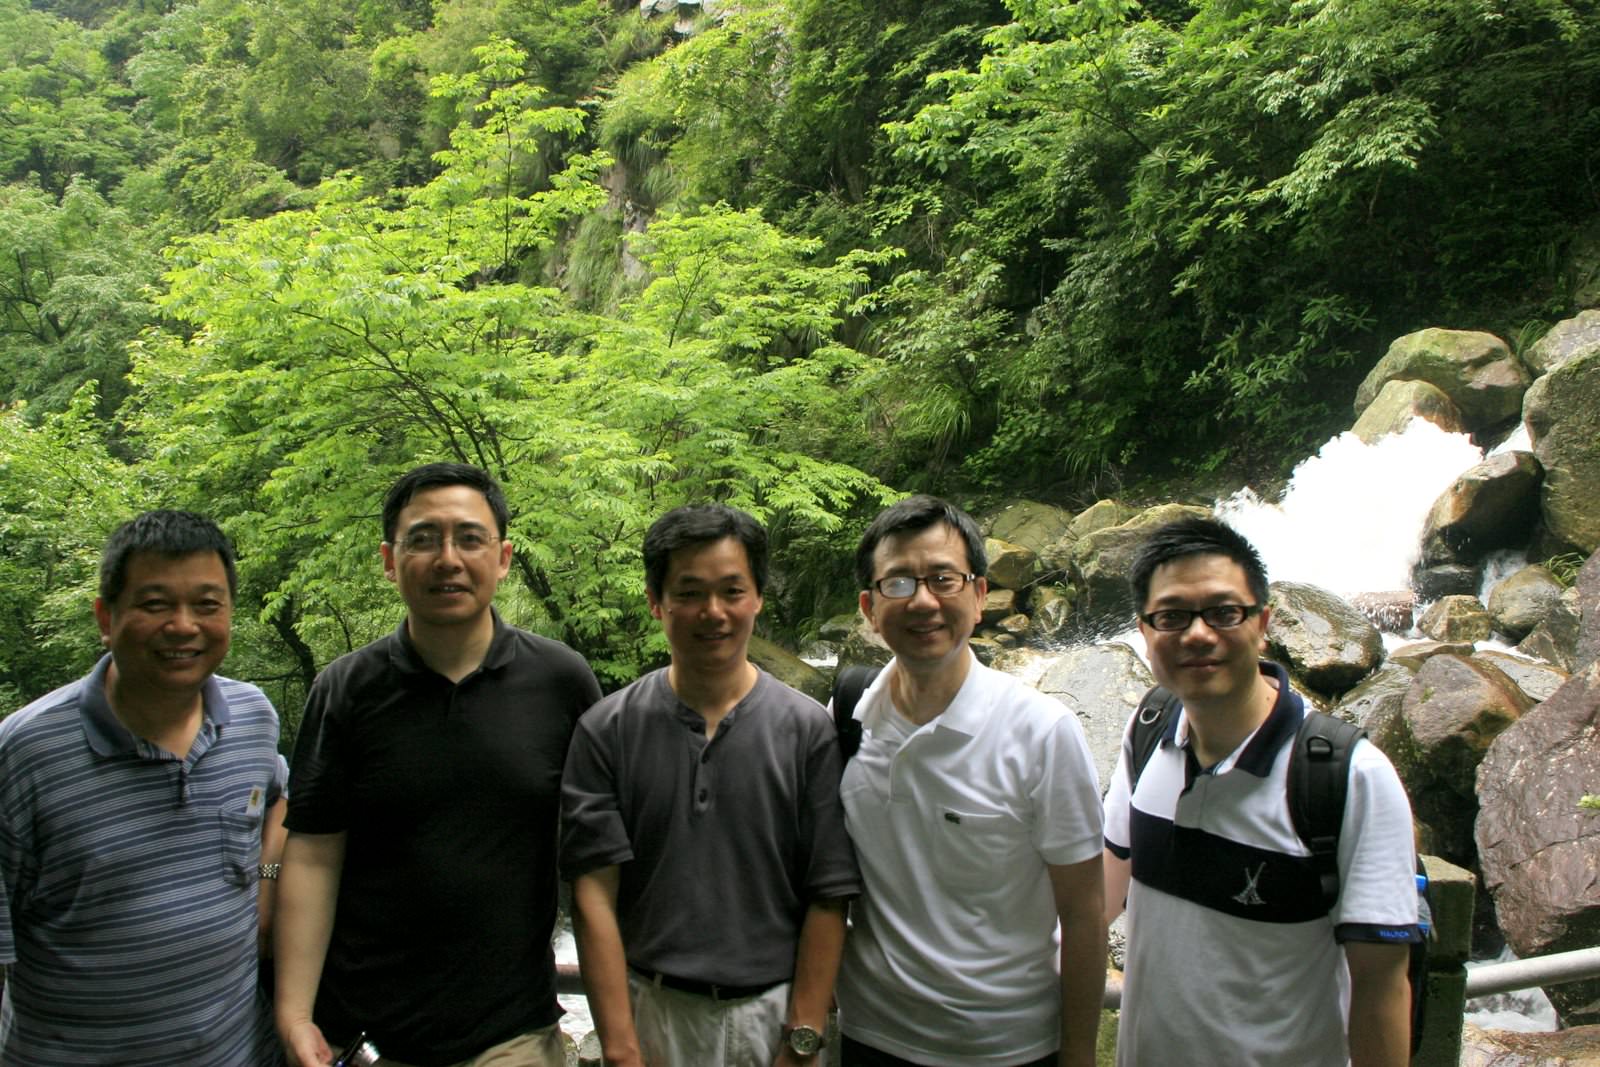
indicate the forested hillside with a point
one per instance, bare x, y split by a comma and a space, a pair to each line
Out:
262, 255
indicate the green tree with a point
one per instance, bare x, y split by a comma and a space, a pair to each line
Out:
72, 294
60, 494
333, 347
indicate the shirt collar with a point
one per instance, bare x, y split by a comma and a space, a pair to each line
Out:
965, 714
1256, 754
106, 734
404, 654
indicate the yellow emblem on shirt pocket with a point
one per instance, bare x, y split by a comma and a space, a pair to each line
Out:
971, 849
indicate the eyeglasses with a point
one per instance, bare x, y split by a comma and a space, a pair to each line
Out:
939, 583
1218, 617
432, 542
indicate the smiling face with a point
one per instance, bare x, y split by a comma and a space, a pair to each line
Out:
446, 587
169, 627
924, 631
708, 606
1206, 667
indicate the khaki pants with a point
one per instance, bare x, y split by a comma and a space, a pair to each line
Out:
536, 1048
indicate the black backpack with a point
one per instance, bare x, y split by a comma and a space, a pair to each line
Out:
848, 685
1319, 780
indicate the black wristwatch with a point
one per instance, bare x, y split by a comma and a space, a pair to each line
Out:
803, 1040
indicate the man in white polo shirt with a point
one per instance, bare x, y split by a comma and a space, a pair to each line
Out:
978, 938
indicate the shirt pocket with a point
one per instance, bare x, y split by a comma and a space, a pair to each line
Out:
973, 850
241, 843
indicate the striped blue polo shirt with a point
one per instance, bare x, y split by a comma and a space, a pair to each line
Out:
128, 883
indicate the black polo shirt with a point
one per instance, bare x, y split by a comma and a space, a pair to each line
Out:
449, 794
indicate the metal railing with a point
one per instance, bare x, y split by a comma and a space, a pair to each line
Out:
1486, 978
1483, 979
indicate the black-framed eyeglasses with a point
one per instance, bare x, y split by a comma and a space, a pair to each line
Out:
939, 583
431, 542
1217, 616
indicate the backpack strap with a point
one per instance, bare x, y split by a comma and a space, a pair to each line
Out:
848, 685
1156, 709
1319, 780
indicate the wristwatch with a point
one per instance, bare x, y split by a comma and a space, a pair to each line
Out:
803, 1040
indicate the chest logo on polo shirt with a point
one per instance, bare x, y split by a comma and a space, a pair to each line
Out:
1248, 894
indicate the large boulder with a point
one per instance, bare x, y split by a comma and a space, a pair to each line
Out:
1555, 640
1523, 600
1567, 339
1397, 403
1457, 619
1098, 516
1491, 506
1011, 566
1376, 703
789, 669
1577, 1047
1445, 579
1584, 600
1452, 712
1102, 683
1052, 613
1537, 680
998, 604
864, 646
1562, 411
1477, 371
1326, 643
1540, 851
1029, 524
1102, 561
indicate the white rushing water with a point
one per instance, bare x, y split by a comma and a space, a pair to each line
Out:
1351, 519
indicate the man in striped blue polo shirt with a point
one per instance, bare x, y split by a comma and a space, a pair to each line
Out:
133, 807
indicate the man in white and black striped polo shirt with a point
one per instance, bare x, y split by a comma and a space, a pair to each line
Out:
1233, 956
133, 805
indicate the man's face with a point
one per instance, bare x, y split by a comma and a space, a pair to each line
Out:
708, 606
169, 628
447, 582
1203, 665
924, 629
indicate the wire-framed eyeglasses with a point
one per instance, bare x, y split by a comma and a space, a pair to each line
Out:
939, 583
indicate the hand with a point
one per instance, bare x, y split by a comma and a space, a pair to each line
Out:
787, 1058
304, 1044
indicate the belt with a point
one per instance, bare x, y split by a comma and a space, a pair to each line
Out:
705, 989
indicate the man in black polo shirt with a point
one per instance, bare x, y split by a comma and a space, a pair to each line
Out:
418, 890
701, 823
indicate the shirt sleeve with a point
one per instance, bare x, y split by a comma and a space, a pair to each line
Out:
593, 833
1377, 856
1119, 799
319, 799
831, 871
1068, 822
10, 849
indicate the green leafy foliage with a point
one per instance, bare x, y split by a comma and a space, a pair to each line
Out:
71, 293
331, 348
60, 495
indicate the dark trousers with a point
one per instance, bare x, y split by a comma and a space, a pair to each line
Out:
853, 1053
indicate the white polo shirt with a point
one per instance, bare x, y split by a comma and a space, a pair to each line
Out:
1232, 957
953, 951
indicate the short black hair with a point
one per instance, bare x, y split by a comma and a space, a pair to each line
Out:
169, 533
914, 514
698, 524
1195, 537
437, 476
